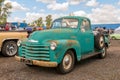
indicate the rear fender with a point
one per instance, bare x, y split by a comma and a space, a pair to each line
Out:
107, 41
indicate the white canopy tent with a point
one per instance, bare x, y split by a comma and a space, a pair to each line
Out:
117, 30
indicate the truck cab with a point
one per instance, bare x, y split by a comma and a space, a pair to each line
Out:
70, 39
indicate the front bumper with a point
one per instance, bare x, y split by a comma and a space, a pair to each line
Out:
39, 63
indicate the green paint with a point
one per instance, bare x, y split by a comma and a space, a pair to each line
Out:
78, 39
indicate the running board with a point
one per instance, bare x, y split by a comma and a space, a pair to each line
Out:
90, 55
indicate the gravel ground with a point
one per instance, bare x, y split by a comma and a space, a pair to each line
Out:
88, 69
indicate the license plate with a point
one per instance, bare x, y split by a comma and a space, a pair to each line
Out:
27, 61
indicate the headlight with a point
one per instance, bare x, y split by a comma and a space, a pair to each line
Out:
53, 46
19, 42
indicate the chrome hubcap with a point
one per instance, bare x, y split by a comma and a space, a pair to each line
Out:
11, 49
67, 61
101, 41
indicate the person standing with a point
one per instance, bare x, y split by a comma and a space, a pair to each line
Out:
7, 27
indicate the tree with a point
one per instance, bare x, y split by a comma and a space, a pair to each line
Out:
40, 22
4, 11
48, 21
35, 22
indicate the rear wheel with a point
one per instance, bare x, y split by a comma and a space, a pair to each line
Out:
9, 48
103, 53
67, 63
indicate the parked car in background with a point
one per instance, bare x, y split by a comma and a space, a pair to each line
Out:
9, 40
116, 34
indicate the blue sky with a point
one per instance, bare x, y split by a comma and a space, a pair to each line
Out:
99, 11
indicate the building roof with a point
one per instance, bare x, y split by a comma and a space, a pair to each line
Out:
107, 26
22, 25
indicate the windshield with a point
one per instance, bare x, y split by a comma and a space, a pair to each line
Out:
65, 23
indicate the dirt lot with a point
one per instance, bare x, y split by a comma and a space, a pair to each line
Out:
88, 69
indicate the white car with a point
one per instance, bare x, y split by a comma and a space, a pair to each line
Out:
116, 34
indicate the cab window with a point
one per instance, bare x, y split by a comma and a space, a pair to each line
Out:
85, 26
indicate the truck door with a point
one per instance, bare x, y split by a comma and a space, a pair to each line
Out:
86, 37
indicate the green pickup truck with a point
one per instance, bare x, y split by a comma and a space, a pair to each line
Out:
70, 39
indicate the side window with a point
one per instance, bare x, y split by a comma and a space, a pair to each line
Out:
85, 25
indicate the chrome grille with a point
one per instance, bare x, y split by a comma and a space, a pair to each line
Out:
36, 52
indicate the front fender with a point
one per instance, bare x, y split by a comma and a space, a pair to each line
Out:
63, 46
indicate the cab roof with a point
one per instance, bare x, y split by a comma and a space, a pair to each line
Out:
76, 17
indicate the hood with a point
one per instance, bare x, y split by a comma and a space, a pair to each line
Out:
53, 34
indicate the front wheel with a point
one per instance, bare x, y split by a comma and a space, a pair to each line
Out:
9, 48
67, 63
103, 53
